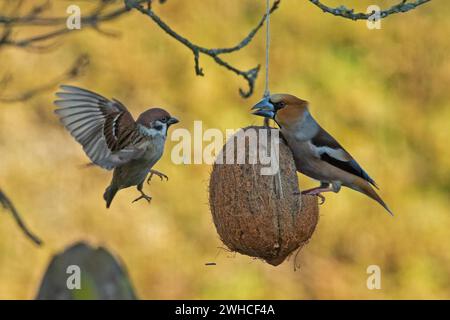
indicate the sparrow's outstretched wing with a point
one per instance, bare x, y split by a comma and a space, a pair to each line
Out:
332, 152
105, 128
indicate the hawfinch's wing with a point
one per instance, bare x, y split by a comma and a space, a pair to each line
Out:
332, 152
105, 128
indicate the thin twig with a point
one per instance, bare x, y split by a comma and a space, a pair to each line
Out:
92, 20
7, 204
99, 14
249, 75
344, 12
33, 19
74, 71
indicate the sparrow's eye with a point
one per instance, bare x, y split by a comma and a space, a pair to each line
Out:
165, 119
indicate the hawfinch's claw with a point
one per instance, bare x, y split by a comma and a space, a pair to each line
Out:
322, 199
312, 193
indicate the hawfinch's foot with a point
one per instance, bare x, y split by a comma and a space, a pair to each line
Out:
317, 192
143, 196
322, 198
161, 175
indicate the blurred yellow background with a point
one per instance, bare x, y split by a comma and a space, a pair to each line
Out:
384, 94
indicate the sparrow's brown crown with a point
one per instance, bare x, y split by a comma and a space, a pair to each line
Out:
152, 115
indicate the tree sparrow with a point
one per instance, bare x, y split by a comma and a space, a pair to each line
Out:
316, 153
112, 139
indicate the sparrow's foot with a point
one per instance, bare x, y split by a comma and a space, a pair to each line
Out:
143, 196
161, 175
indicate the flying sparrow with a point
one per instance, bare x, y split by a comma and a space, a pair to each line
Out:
112, 139
316, 153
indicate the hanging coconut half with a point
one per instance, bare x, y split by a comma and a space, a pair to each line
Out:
256, 208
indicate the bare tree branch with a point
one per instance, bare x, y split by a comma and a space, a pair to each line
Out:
344, 12
103, 13
7, 205
74, 71
249, 75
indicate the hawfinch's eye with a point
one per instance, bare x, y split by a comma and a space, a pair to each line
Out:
280, 104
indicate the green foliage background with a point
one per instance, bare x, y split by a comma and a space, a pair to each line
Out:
383, 93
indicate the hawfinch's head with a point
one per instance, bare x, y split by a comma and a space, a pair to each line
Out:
285, 109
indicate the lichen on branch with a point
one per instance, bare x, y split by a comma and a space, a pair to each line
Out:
344, 12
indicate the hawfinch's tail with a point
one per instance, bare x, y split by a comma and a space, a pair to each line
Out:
364, 187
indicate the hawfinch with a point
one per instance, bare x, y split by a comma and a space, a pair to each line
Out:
316, 153
112, 139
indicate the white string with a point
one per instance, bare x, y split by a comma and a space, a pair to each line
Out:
266, 90
277, 177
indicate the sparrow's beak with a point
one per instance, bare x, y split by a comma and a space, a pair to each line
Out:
172, 120
264, 108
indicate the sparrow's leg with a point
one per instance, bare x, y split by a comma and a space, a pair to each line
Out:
161, 175
143, 195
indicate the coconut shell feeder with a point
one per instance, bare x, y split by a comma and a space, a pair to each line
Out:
262, 216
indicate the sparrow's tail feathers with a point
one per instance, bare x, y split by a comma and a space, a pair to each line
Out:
109, 194
367, 189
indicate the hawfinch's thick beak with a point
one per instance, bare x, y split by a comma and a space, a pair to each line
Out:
172, 120
264, 108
